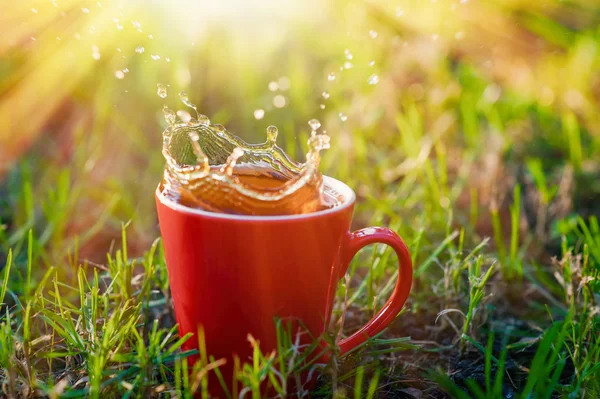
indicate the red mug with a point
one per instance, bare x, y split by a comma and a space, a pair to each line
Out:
234, 274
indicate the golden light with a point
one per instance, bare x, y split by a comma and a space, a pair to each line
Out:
240, 16
62, 42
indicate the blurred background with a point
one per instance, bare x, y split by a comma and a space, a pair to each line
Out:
475, 81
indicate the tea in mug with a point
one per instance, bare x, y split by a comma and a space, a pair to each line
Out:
210, 169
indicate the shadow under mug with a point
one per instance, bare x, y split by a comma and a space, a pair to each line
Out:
233, 275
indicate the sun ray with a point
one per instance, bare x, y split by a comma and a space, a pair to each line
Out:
62, 55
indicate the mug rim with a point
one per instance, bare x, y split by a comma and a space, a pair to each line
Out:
349, 197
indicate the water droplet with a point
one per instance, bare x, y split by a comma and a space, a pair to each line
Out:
167, 59
155, 57
126, 70
139, 49
272, 134
33, 38
95, 52
283, 83
169, 115
373, 34
348, 54
192, 122
184, 99
279, 101
273, 86
373, 79
119, 74
331, 76
58, 38
348, 65
343, 117
33, 10
322, 106
115, 20
85, 10
314, 124
259, 113
372, 63
399, 12
150, 37
161, 90
325, 95
137, 24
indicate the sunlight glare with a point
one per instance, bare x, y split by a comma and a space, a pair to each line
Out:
253, 18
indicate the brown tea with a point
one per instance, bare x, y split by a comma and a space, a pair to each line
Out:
210, 169
216, 198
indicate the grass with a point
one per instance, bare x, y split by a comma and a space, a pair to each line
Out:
479, 145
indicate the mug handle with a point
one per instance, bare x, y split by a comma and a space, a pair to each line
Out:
356, 241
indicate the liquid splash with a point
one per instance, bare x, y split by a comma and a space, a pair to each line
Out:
209, 168
161, 90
